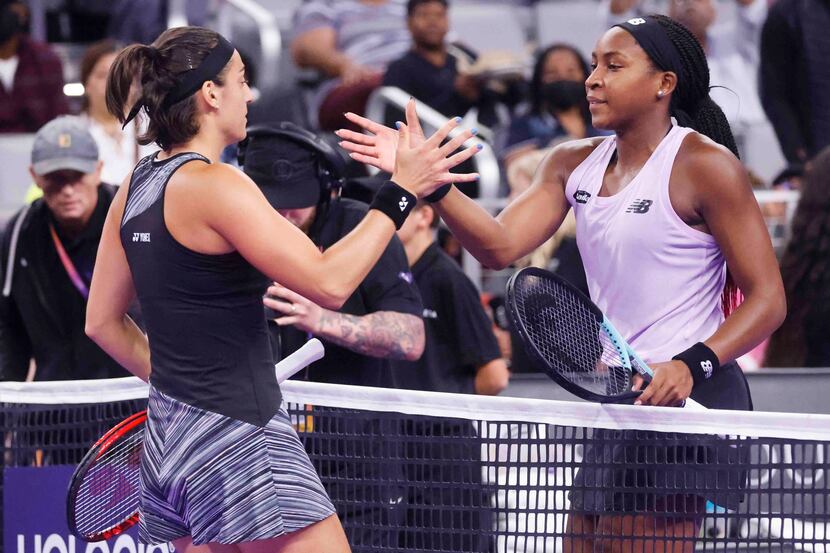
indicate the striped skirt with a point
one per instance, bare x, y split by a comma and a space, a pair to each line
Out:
221, 480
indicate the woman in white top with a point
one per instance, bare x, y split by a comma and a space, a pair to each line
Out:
117, 147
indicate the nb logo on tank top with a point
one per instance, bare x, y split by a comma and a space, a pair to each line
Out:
141, 237
639, 206
582, 196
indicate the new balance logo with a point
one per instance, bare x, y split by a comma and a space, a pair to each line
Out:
141, 237
639, 206
582, 197
707, 368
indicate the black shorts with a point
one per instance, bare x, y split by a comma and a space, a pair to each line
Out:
631, 471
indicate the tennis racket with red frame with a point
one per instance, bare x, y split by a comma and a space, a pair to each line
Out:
104, 491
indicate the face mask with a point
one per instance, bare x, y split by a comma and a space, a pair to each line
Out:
9, 24
563, 95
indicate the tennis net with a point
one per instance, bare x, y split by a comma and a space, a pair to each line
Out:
419, 471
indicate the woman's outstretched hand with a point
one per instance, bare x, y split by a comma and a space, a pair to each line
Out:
418, 164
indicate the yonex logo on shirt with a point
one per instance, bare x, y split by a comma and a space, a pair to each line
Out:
582, 196
141, 237
707, 368
639, 206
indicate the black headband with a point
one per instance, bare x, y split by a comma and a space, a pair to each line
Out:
192, 79
652, 38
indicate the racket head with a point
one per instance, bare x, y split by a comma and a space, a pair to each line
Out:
566, 335
103, 496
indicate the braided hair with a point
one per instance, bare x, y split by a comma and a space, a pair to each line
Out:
805, 266
692, 106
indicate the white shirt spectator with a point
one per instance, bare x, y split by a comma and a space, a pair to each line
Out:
119, 153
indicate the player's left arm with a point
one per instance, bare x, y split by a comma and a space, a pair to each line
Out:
726, 203
721, 199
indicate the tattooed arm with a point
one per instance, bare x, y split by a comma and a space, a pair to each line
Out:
384, 334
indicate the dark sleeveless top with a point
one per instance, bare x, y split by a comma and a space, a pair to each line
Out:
209, 344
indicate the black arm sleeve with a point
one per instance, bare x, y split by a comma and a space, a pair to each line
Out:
779, 82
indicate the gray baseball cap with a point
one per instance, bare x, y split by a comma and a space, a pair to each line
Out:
64, 143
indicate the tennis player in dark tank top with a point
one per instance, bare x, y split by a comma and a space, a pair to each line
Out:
192, 238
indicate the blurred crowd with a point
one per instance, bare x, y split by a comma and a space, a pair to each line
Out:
769, 70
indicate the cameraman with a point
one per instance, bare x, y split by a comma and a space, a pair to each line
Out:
300, 175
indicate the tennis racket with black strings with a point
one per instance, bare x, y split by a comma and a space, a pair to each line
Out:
104, 491
568, 337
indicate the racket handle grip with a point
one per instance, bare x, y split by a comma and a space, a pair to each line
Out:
300, 359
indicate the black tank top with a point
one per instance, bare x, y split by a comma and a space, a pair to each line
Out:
209, 344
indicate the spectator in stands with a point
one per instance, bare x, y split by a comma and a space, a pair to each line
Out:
795, 76
350, 42
558, 106
441, 74
429, 71
141, 22
48, 254
31, 75
118, 148
379, 322
461, 356
802, 340
732, 52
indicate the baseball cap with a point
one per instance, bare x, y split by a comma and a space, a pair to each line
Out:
284, 170
64, 143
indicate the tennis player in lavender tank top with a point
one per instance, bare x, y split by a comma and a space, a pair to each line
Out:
668, 229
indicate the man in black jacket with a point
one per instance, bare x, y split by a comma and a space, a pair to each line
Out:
47, 255
795, 76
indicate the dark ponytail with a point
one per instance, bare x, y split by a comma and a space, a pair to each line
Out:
691, 104
142, 77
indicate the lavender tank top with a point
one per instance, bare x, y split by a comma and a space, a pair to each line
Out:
657, 279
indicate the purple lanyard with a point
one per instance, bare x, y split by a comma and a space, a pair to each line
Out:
68, 265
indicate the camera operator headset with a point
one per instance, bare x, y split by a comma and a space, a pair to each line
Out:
301, 176
319, 162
